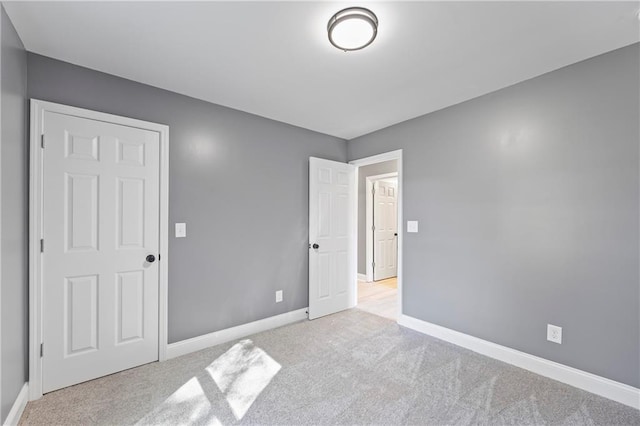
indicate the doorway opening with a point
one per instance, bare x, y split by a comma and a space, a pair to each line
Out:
379, 235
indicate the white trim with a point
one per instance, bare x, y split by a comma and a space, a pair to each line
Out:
392, 155
163, 288
222, 336
379, 158
368, 223
624, 394
1, 221
35, 232
35, 228
362, 277
369, 182
13, 418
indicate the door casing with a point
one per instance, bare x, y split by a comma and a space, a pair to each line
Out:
36, 212
392, 155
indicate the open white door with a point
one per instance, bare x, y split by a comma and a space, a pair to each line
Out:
332, 237
385, 219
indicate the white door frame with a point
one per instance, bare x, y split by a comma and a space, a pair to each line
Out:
392, 155
38, 109
1, 286
369, 181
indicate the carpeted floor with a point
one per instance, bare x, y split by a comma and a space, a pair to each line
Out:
347, 368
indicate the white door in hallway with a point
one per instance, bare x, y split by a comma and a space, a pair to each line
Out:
100, 249
385, 234
332, 237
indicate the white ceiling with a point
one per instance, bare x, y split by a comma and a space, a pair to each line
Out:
273, 58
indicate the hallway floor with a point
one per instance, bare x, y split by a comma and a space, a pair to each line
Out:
379, 297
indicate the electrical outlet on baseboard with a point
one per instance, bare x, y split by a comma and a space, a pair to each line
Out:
554, 334
278, 296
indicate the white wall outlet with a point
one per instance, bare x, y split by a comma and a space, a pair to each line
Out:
412, 226
554, 333
181, 230
278, 296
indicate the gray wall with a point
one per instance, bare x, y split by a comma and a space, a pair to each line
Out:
239, 181
15, 214
527, 200
363, 172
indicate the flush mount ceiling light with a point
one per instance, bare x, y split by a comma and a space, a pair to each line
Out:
352, 28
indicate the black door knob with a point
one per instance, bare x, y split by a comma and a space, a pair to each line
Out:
315, 246
151, 258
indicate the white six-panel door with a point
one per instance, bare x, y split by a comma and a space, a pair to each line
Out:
332, 234
100, 222
385, 249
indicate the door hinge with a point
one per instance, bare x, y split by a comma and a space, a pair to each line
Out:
41, 349
373, 190
373, 227
42, 140
373, 265
41, 245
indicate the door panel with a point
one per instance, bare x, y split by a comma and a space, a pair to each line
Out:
332, 227
101, 219
385, 214
81, 314
130, 213
130, 300
81, 214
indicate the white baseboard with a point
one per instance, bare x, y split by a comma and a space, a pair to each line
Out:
598, 385
18, 406
362, 277
222, 336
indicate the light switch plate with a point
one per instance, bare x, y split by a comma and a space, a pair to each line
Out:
181, 230
278, 296
412, 226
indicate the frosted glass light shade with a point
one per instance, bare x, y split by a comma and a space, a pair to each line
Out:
353, 28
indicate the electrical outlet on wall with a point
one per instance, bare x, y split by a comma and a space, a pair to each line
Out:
554, 333
278, 296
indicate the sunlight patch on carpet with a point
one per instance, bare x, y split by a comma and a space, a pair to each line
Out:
242, 373
188, 405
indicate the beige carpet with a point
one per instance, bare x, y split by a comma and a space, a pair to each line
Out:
348, 368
